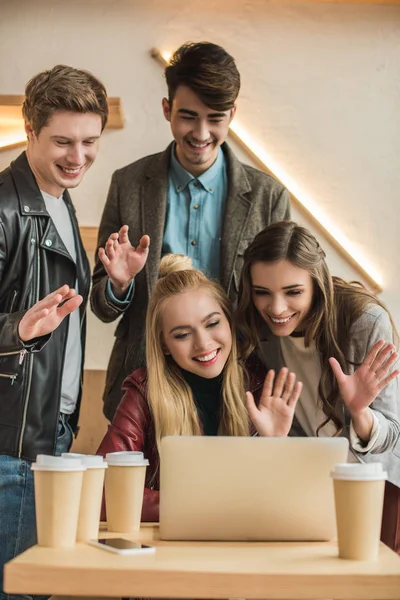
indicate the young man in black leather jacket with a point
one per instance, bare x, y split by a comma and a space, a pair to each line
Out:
44, 285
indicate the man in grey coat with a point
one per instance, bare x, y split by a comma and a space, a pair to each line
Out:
195, 198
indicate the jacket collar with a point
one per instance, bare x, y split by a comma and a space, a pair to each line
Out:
29, 197
31, 203
237, 210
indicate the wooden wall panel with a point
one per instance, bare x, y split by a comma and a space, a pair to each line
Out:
92, 422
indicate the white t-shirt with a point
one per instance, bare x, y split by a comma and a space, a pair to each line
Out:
71, 375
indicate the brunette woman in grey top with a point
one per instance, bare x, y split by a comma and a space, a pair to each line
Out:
339, 340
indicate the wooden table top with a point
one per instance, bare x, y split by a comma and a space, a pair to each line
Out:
278, 570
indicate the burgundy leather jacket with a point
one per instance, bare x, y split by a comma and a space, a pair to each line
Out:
132, 428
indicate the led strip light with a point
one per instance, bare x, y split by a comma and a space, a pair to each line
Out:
300, 198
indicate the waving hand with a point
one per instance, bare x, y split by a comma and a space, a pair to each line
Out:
274, 414
360, 389
121, 260
46, 315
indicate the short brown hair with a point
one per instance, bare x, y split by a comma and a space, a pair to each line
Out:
63, 88
208, 70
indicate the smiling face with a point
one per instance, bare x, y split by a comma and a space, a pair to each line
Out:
283, 294
196, 333
64, 150
197, 129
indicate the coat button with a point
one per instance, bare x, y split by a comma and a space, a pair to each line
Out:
48, 243
27, 209
194, 243
195, 206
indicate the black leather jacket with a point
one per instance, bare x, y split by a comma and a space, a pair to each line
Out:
33, 263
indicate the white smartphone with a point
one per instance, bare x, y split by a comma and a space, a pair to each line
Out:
122, 546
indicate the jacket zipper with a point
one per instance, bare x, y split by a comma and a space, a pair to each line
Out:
84, 293
82, 358
13, 299
21, 352
12, 376
28, 387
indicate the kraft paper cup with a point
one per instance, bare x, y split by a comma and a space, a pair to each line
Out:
359, 490
124, 487
58, 484
91, 495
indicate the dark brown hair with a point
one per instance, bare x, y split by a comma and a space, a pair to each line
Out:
63, 88
208, 70
335, 307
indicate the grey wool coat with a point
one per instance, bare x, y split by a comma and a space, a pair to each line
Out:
138, 198
373, 325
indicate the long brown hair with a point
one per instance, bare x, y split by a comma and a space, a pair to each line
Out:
169, 396
335, 307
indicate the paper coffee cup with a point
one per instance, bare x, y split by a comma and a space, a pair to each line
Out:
359, 490
58, 484
91, 495
124, 487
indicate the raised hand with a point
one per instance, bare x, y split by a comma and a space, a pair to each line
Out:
121, 260
360, 389
47, 314
274, 414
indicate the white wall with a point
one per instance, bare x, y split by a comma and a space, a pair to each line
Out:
320, 92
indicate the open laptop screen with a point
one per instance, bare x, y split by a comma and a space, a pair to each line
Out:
239, 488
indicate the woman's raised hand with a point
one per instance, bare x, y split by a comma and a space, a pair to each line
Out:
274, 414
360, 389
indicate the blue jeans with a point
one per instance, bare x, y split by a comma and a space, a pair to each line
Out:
17, 503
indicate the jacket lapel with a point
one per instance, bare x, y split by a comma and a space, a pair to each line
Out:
153, 203
30, 199
237, 210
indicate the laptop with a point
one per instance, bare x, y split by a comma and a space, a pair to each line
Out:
248, 488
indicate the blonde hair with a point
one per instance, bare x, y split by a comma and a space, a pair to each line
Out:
169, 395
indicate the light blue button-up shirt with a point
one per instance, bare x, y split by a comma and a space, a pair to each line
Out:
194, 215
195, 208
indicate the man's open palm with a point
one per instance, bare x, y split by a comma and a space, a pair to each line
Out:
121, 260
47, 314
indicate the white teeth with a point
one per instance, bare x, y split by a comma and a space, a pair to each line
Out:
281, 320
71, 171
208, 357
198, 145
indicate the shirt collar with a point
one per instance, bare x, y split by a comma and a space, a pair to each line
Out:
181, 178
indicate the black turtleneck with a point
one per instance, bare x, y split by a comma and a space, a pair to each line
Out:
207, 398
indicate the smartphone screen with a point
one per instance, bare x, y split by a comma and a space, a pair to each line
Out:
121, 544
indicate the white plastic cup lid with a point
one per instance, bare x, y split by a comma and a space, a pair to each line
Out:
90, 461
72, 455
128, 458
359, 471
46, 462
